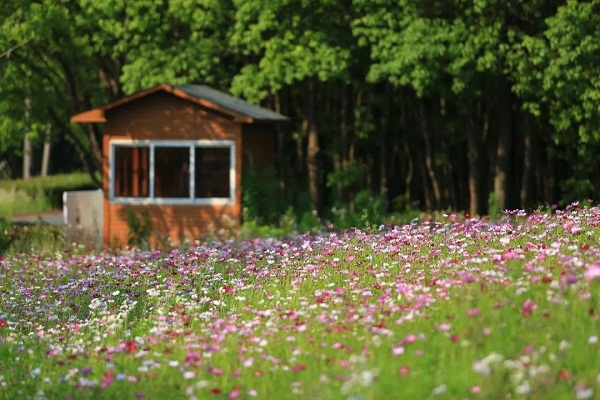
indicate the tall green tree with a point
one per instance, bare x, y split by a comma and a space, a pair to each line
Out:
453, 57
79, 54
143, 43
296, 46
571, 91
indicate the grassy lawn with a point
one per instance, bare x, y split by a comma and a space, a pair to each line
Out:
451, 309
39, 194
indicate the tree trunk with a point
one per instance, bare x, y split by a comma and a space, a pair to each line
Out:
525, 194
95, 149
503, 149
409, 174
281, 159
475, 137
342, 156
424, 183
384, 143
312, 150
26, 158
473, 157
429, 165
46, 152
26, 141
383, 183
344, 146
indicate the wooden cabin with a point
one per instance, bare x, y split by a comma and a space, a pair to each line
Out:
176, 153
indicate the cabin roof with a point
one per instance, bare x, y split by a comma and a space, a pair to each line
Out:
240, 110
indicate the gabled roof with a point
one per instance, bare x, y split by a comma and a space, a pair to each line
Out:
238, 109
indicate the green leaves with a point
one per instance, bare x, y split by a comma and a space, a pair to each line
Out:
571, 76
394, 83
286, 42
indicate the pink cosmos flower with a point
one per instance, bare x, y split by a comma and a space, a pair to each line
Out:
509, 255
403, 370
444, 326
528, 349
568, 279
410, 338
592, 272
475, 389
473, 312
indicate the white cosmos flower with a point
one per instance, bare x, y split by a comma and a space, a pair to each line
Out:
367, 377
481, 367
584, 394
441, 389
524, 388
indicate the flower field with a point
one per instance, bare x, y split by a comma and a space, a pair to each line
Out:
452, 308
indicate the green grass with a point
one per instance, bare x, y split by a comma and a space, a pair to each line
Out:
39, 194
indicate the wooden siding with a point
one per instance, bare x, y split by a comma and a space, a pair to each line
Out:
162, 116
175, 221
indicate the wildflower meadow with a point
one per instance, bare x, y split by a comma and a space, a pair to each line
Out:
447, 308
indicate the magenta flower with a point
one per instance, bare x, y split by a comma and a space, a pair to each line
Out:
107, 379
298, 367
528, 307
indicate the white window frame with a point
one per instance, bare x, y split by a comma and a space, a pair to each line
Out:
191, 144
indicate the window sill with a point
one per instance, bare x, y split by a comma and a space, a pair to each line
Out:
172, 201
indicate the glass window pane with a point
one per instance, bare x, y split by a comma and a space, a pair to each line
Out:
172, 172
132, 166
212, 172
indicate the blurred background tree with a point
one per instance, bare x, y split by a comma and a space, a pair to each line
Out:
435, 105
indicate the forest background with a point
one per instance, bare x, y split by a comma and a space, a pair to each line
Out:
405, 104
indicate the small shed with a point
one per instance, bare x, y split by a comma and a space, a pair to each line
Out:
175, 155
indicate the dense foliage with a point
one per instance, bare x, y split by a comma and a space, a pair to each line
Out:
434, 104
449, 309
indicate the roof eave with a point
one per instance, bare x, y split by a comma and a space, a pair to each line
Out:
90, 116
243, 119
272, 120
